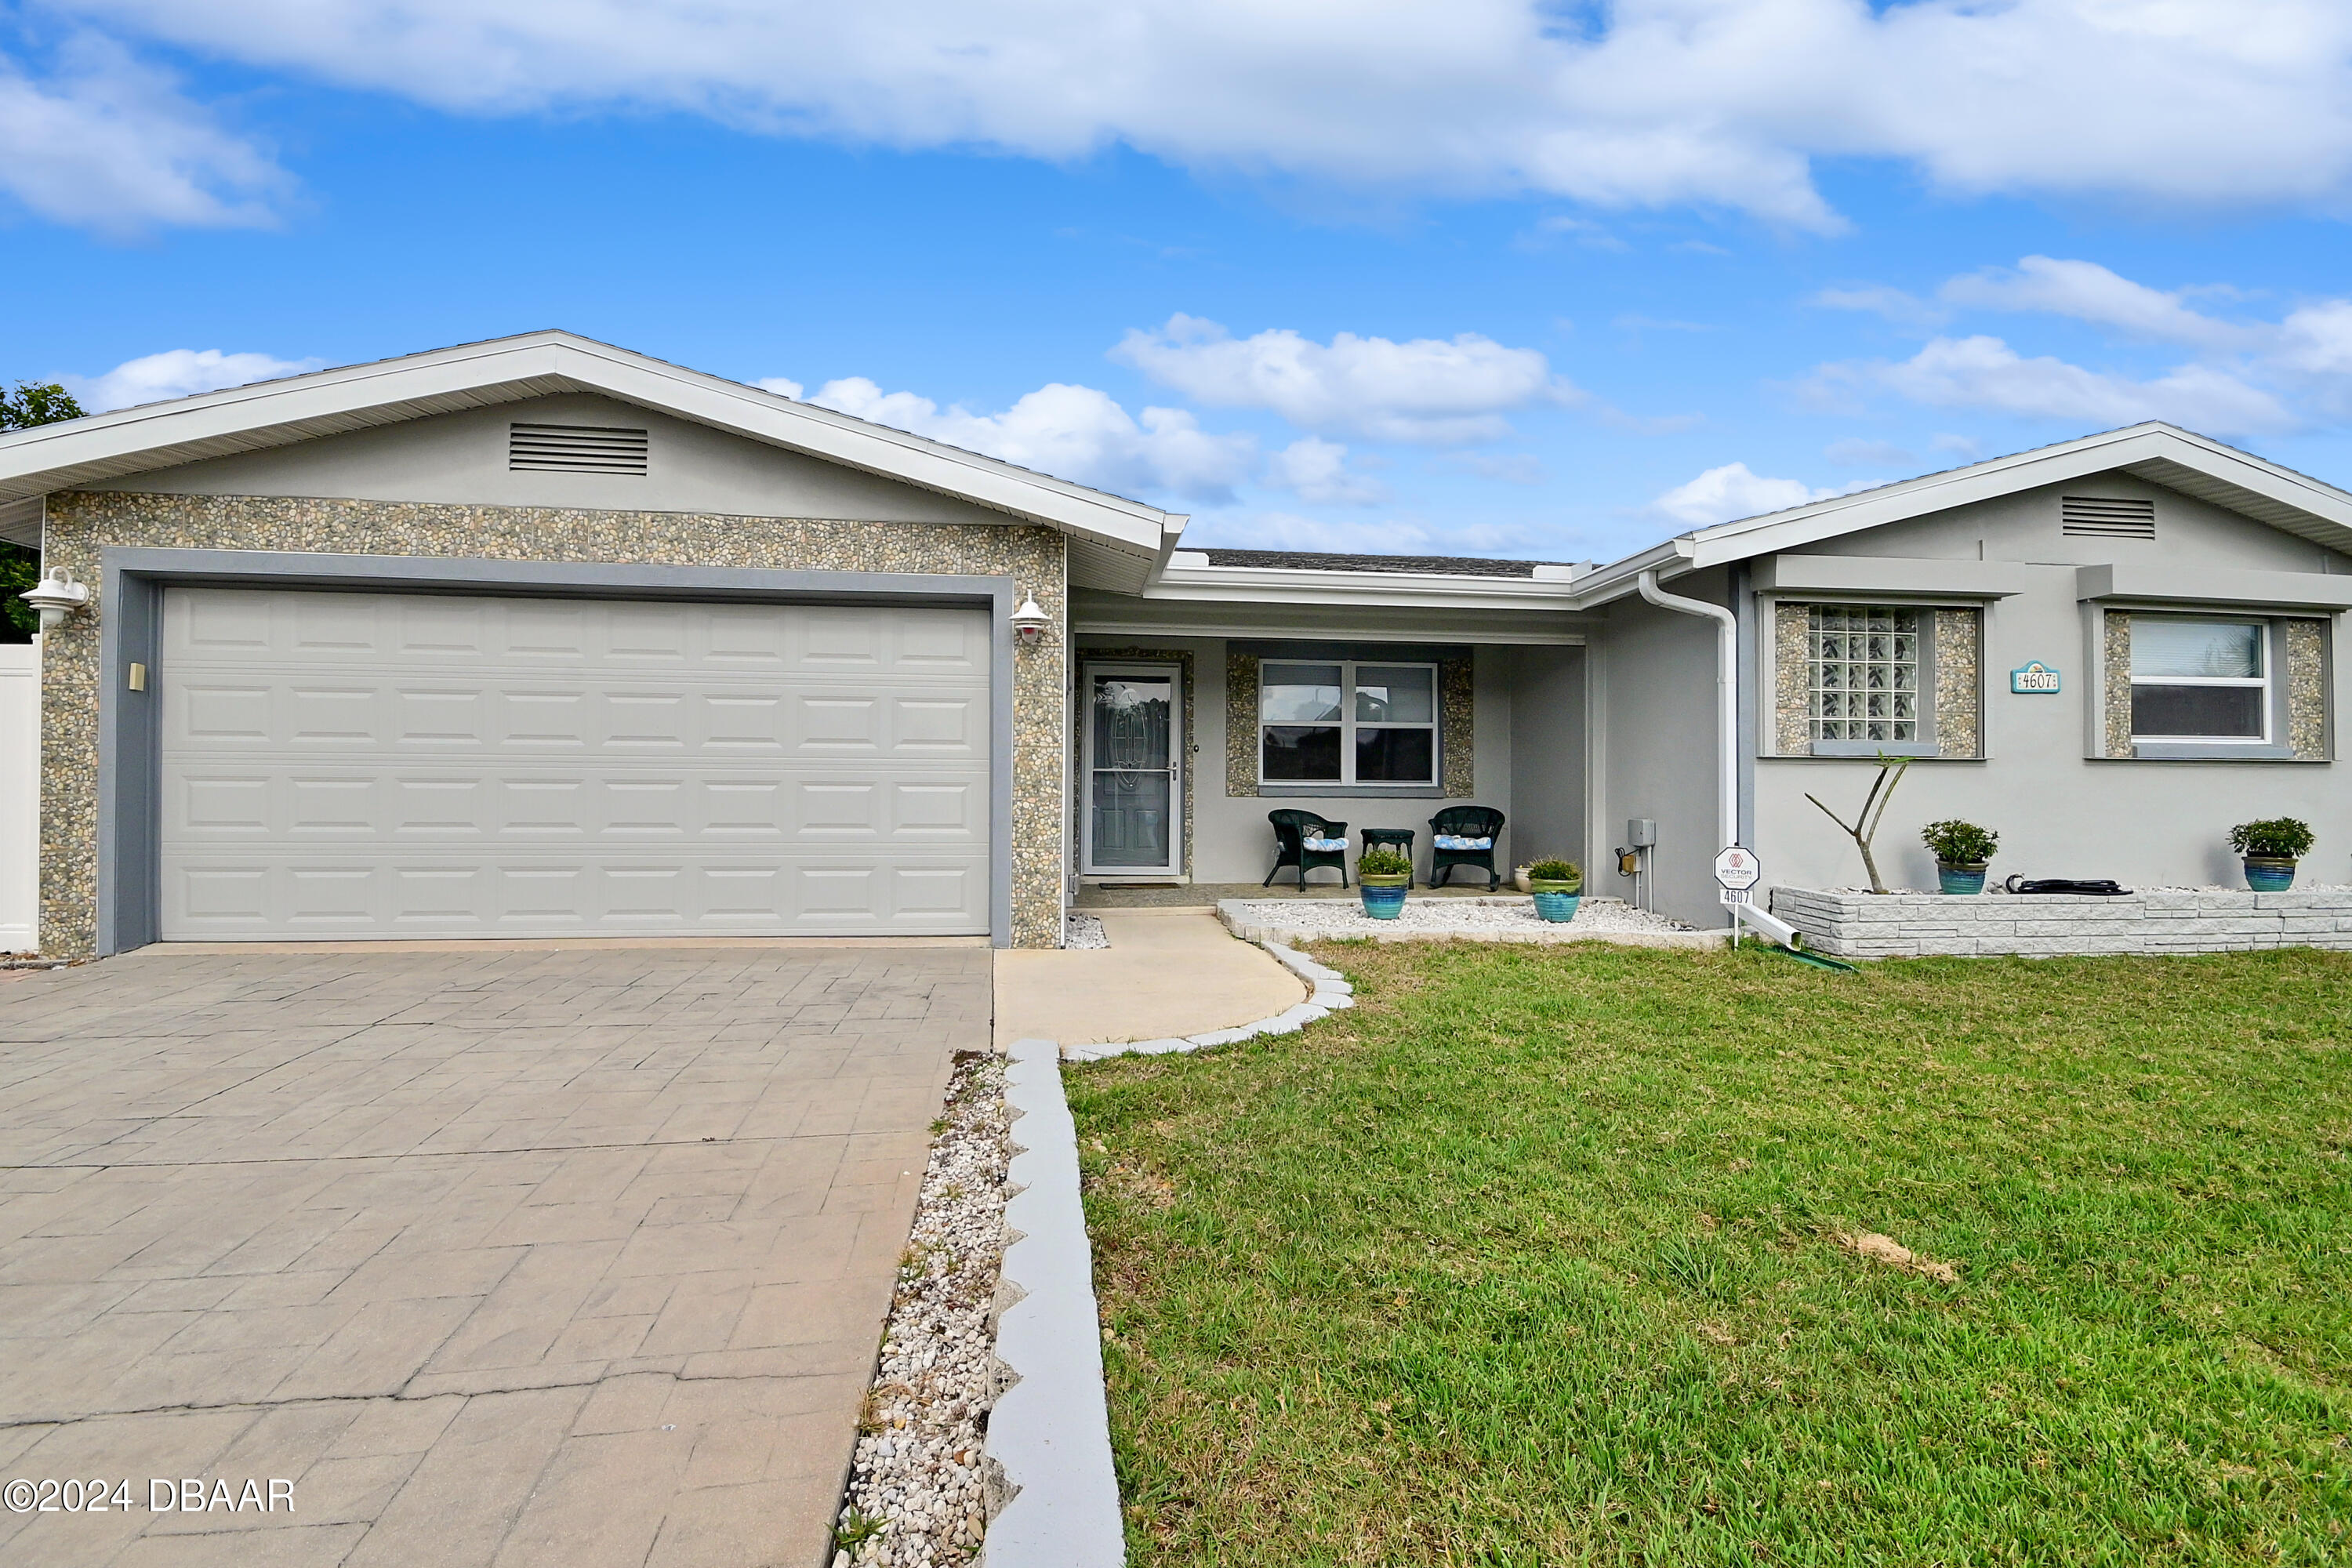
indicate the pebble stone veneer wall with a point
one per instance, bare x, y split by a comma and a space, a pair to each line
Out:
1457, 724
1960, 685
80, 524
1083, 802
2116, 642
1959, 681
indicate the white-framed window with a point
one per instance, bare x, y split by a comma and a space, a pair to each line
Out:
1870, 679
1346, 722
2200, 679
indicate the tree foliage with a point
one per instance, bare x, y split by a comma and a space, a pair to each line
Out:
31, 403
28, 404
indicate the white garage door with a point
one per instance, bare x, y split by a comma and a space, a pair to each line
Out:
340, 765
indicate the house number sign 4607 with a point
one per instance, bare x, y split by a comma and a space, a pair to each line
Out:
2035, 679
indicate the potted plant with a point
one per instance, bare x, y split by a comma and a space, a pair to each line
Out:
2271, 847
1557, 885
1961, 849
1382, 877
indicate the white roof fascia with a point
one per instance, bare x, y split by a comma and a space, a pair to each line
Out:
2301, 504
275, 413
1302, 586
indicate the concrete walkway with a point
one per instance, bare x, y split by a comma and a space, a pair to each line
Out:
496, 1256
1168, 972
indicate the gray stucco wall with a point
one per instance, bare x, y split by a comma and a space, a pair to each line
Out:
2058, 811
82, 525
1653, 743
1547, 795
462, 457
1230, 839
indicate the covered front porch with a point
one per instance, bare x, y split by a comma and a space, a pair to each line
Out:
1198, 712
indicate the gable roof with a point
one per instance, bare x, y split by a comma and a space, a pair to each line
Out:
2162, 454
1115, 542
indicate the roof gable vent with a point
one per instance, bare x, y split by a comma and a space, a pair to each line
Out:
576, 448
2107, 516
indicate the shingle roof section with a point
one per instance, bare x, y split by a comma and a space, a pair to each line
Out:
1316, 560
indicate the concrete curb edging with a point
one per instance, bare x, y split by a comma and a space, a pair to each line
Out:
1267, 935
1329, 992
1049, 1434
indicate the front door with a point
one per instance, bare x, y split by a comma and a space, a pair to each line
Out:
1134, 794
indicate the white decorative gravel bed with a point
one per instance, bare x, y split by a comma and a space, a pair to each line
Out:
917, 1497
1501, 919
1084, 930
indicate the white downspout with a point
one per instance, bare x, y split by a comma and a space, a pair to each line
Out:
1726, 705
1726, 700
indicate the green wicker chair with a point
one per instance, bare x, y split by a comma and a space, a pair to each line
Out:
1291, 830
1465, 822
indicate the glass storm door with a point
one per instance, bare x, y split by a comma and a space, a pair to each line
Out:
1133, 794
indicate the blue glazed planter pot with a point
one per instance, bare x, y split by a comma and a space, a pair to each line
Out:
1552, 906
2268, 876
1962, 881
1382, 900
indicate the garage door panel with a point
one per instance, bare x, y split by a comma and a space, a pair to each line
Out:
345, 765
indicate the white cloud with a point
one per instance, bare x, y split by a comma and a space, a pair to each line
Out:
106, 143
1985, 373
1070, 432
1720, 495
1639, 103
1316, 470
1430, 390
1878, 299
783, 386
1389, 536
2090, 292
177, 373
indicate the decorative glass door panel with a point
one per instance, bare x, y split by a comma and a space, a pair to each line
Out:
1134, 796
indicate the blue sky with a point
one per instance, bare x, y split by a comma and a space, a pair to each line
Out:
1483, 277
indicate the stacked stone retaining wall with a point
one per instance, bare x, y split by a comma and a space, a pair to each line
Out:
1904, 925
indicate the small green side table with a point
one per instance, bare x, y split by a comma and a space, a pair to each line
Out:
1395, 837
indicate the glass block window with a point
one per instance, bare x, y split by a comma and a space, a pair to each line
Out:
1863, 665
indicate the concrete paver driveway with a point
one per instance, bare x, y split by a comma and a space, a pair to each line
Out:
498, 1257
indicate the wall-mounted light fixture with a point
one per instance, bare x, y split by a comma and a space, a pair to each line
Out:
55, 596
1030, 622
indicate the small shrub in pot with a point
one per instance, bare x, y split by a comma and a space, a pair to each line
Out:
1961, 849
2270, 848
1557, 885
1383, 876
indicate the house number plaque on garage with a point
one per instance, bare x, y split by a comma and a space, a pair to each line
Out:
2035, 679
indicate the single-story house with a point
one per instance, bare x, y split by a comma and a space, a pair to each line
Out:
539, 638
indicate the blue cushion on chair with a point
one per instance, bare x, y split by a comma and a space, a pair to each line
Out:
1455, 841
1323, 845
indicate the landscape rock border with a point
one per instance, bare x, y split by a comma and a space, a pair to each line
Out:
1267, 929
918, 1493
1049, 1434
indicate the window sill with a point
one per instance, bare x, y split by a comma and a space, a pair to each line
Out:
1865, 757
1355, 792
2159, 752
1867, 750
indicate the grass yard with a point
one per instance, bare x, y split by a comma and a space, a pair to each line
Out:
1548, 1256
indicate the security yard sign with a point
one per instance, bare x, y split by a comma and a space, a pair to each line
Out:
2035, 679
1737, 869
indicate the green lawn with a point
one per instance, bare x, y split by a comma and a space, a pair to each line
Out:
1534, 1257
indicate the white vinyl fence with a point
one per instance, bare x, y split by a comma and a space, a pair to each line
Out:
20, 793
